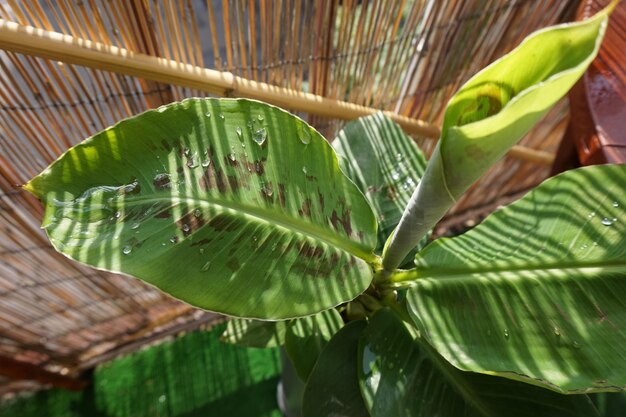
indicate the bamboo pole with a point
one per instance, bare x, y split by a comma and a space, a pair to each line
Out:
59, 47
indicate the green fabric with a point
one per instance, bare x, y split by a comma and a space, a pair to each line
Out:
192, 376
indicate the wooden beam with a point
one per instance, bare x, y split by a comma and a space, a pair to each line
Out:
19, 370
59, 47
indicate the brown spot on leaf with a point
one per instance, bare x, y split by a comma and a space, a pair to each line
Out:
231, 160
201, 242
281, 194
321, 198
474, 152
164, 214
191, 222
344, 221
233, 182
166, 145
233, 264
222, 223
259, 166
392, 193
213, 178
310, 251
267, 191
162, 182
310, 177
306, 208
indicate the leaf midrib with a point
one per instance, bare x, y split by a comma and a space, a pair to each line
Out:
267, 216
556, 269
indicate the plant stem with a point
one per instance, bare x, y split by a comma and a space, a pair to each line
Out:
429, 203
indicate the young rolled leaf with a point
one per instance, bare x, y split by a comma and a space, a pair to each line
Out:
402, 376
536, 292
255, 333
385, 164
490, 113
333, 388
306, 337
233, 206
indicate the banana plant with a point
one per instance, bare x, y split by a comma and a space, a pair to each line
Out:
239, 207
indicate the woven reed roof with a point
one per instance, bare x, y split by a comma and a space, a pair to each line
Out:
407, 57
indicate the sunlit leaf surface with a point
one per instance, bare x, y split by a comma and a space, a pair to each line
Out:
537, 292
384, 163
231, 205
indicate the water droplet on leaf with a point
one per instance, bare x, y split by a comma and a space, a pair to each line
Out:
506, 333
221, 116
239, 132
305, 136
304, 170
208, 114
260, 136
206, 266
186, 227
127, 249
615, 204
607, 222
260, 118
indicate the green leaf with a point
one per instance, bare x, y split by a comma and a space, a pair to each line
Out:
233, 206
401, 376
610, 404
536, 292
306, 337
255, 333
497, 106
385, 164
333, 389
489, 114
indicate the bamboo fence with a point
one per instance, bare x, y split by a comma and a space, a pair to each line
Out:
71, 68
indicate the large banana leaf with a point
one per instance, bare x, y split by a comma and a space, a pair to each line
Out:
537, 292
230, 205
403, 376
385, 164
490, 113
333, 389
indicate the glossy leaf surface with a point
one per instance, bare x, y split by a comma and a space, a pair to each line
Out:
402, 376
306, 337
229, 205
384, 163
537, 291
333, 388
